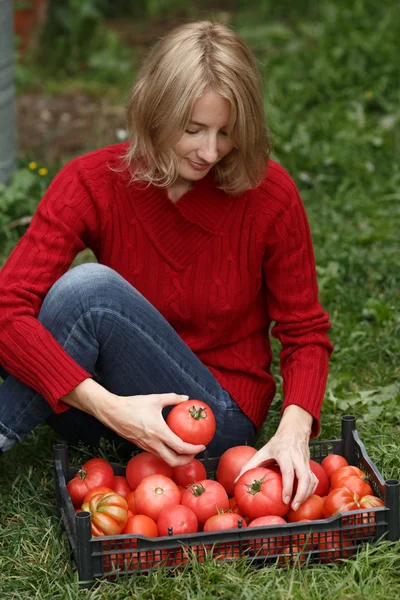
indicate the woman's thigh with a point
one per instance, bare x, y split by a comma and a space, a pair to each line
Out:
109, 328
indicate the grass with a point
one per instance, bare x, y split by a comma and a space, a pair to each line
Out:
332, 98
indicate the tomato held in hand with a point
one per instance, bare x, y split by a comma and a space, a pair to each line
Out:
180, 518
353, 478
224, 521
259, 492
145, 464
193, 421
310, 510
323, 480
96, 472
230, 465
332, 463
185, 475
154, 493
108, 513
206, 498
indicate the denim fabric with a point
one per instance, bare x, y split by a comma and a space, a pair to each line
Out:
114, 333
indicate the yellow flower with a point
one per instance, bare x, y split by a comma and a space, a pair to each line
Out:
368, 94
43, 171
32, 165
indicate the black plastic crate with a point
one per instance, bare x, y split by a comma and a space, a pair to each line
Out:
326, 540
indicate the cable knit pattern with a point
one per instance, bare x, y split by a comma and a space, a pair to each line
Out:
220, 269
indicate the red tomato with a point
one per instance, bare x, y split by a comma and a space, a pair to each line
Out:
109, 513
259, 492
206, 498
271, 544
267, 520
185, 475
230, 465
130, 500
224, 521
96, 490
141, 525
145, 464
310, 510
332, 463
334, 546
180, 518
154, 493
340, 500
95, 472
121, 485
226, 552
353, 478
193, 421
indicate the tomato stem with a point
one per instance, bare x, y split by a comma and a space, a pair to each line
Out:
198, 413
255, 486
197, 489
82, 474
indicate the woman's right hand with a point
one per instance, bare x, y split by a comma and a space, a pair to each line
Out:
138, 419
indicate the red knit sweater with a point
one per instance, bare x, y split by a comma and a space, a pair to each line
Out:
220, 269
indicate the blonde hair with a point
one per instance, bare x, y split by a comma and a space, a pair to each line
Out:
174, 75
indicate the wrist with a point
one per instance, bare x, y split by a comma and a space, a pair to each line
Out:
295, 417
88, 396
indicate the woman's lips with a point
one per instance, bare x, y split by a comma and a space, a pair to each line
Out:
197, 166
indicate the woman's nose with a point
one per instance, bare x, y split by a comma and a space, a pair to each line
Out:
208, 151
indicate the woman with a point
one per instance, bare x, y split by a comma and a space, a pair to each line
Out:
201, 242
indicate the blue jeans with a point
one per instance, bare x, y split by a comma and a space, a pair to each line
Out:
115, 334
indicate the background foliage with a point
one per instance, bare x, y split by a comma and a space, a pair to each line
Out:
331, 78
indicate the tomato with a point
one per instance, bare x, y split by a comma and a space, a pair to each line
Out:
96, 490
206, 498
121, 485
193, 421
259, 492
224, 521
130, 500
267, 520
141, 525
185, 475
145, 464
340, 500
180, 518
332, 463
353, 478
109, 513
361, 521
310, 510
333, 546
230, 465
95, 472
227, 552
154, 493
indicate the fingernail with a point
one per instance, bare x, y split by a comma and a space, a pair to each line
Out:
184, 397
296, 506
286, 499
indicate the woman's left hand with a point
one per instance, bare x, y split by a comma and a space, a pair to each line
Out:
289, 448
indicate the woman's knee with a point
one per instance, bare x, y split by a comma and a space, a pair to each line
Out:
81, 286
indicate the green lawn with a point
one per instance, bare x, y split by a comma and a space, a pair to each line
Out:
332, 78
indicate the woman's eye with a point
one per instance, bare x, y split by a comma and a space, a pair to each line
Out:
191, 132
224, 133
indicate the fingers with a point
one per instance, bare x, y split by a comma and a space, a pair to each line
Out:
168, 399
307, 483
287, 472
179, 446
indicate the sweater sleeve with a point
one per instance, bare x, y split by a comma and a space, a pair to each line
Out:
58, 231
301, 325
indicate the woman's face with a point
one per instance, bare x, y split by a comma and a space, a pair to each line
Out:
205, 141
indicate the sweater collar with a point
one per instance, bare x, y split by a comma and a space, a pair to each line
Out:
180, 231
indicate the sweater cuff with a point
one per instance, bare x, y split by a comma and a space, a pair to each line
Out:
305, 388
